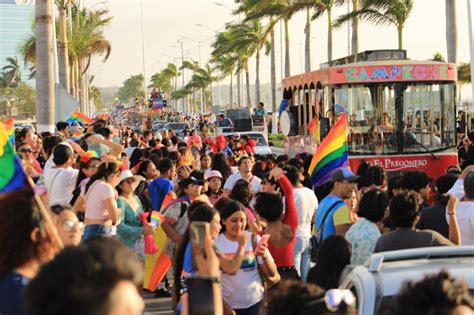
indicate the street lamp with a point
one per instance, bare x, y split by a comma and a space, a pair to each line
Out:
218, 84
228, 8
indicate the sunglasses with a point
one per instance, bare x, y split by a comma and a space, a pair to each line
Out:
25, 151
93, 166
69, 225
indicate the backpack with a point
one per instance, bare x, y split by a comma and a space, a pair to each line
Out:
316, 239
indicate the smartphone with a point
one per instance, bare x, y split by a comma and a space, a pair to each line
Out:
197, 233
200, 296
263, 240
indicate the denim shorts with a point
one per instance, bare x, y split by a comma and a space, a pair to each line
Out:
95, 230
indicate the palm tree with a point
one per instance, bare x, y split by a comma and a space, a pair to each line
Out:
85, 40
451, 30
325, 6
277, 10
13, 71
193, 66
5, 80
44, 67
382, 12
203, 79
464, 76
171, 71
354, 25
226, 65
63, 60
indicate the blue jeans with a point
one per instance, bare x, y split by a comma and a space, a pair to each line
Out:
302, 256
93, 230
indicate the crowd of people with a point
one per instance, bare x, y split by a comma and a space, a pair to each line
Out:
261, 252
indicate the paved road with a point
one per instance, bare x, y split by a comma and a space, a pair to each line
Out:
156, 306
277, 151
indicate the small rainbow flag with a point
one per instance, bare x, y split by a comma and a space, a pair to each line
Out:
315, 128
75, 136
12, 176
157, 218
331, 153
80, 118
103, 116
10, 130
89, 155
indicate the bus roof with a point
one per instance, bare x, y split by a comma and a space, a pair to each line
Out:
376, 72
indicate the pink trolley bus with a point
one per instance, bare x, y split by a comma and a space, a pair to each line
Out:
402, 113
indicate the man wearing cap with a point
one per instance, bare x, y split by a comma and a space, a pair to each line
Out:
245, 172
338, 217
176, 216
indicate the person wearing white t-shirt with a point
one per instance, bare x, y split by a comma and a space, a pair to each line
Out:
243, 290
245, 172
306, 204
60, 179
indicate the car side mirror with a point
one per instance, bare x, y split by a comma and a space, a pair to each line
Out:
270, 144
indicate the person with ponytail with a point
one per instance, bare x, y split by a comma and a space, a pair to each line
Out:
88, 166
98, 201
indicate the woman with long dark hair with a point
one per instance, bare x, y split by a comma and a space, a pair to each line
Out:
98, 200
243, 290
221, 164
147, 170
87, 167
334, 255
26, 242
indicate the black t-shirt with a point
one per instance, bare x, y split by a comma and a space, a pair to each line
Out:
410, 238
434, 218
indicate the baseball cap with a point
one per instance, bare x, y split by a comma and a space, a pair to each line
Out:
344, 173
190, 180
211, 174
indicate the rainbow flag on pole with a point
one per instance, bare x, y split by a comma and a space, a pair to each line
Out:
315, 128
331, 153
12, 176
80, 118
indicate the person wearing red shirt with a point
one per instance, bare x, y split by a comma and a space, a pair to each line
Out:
281, 227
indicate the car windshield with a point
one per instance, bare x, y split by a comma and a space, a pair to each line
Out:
259, 139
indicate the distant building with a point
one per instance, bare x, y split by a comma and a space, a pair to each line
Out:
15, 26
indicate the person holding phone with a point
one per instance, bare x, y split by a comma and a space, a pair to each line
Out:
281, 227
243, 290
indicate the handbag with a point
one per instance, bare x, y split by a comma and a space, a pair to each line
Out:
316, 239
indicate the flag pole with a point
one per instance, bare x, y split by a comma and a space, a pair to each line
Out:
47, 218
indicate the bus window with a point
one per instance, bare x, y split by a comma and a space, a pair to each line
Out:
428, 117
372, 120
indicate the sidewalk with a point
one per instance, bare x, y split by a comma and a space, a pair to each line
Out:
154, 306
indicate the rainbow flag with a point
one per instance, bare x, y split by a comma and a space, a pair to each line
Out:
75, 136
12, 176
315, 128
103, 116
10, 130
157, 264
80, 118
157, 218
330, 154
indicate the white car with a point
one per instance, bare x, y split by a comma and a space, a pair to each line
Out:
379, 280
262, 146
